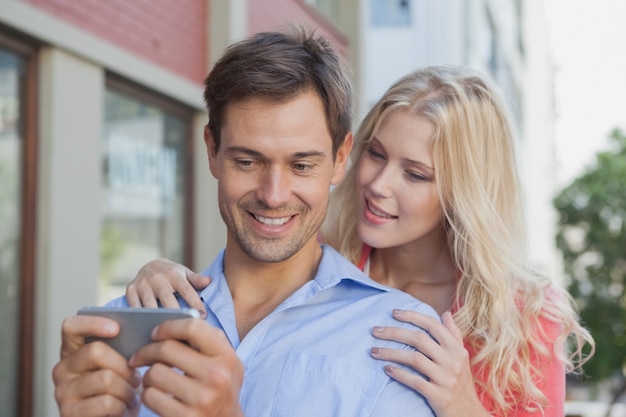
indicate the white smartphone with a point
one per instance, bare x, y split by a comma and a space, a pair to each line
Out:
136, 324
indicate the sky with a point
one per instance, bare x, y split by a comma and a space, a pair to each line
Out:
589, 43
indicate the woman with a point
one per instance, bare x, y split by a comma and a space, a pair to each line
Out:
431, 205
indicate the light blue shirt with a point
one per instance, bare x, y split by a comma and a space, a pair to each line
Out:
311, 355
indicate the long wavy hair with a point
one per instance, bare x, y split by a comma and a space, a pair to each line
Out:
499, 300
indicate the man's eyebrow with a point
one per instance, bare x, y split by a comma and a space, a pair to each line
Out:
251, 152
308, 154
231, 150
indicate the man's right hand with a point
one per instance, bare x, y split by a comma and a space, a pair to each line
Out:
93, 379
160, 280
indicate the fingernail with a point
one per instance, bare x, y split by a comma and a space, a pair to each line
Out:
203, 314
375, 351
378, 329
389, 369
136, 379
135, 403
397, 312
109, 328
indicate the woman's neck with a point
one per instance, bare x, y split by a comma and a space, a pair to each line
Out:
427, 272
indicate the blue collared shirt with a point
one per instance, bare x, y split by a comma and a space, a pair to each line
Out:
311, 355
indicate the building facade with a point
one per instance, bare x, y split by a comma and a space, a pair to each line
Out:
102, 162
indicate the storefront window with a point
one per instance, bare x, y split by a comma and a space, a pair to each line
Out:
390, 13
12, 69
144, 167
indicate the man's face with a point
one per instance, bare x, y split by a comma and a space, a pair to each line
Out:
274, 170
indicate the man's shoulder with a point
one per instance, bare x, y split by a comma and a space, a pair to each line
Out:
385, 296
403, 301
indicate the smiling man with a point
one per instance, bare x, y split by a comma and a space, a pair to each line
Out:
288, 329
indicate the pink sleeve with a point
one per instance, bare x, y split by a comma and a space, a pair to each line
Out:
552, 374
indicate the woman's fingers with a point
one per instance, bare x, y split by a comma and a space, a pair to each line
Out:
417, 338
449, 324
162, 282
433, 326
413, 359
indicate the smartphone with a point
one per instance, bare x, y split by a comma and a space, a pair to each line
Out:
136, 324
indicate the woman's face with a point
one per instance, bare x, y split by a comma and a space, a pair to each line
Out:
398, 200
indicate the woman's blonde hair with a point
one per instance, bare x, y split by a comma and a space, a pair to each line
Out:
499, 299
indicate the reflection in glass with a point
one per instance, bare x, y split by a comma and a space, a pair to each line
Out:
11, 92
143, 182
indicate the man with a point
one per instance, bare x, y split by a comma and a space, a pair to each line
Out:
296, 316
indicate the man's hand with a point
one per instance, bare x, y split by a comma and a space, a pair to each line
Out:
211, 377
93, 379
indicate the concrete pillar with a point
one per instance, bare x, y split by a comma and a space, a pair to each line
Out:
209, 229
68, 241
228, 22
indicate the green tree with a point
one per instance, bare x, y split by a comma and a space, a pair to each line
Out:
591, 235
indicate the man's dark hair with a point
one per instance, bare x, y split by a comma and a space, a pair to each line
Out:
280, 66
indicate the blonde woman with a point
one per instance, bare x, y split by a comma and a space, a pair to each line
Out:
431, 205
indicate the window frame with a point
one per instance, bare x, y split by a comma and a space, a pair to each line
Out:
26, 49
120, 84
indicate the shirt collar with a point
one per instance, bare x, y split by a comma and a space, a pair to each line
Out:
333, 269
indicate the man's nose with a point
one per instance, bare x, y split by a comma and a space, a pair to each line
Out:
275, 187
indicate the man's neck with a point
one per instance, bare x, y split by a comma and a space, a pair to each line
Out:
258, 288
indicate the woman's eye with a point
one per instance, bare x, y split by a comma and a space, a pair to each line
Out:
375, 154
414, 176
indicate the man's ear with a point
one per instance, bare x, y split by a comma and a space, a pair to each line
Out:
210, 149
341, 159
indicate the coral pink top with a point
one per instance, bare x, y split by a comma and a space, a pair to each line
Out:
551, 371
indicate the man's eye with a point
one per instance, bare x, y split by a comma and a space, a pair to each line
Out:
244, 163
302, 167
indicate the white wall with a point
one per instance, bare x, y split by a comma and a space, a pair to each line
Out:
538, 164
457, 32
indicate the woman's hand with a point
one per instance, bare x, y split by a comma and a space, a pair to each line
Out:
160, 280
449, 388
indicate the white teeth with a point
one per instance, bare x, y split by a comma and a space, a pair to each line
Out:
272, 222
379, 213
